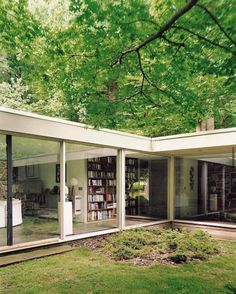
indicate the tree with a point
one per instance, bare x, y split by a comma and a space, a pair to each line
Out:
151, 67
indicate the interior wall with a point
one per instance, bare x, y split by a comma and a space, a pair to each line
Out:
186, 201
78, 170
47, 174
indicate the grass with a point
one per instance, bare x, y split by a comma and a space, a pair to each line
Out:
82, 271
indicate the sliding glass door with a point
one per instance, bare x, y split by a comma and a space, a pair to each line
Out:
145, 188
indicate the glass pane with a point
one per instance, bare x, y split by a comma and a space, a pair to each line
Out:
3, 191
35, 189
146, 188
91, 182
206, 188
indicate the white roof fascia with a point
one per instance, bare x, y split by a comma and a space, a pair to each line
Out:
25, 123
20, 122
198, 140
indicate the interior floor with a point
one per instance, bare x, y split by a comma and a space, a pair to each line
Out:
38, 228
219, 217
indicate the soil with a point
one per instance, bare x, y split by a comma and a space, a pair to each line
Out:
96, 244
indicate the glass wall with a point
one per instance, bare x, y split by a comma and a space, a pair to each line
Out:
146, 188
206, 188
35, 189
3, 191
91, 188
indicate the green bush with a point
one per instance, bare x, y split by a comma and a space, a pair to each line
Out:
184, 245
176, 245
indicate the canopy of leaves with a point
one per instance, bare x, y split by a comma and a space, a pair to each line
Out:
67, 57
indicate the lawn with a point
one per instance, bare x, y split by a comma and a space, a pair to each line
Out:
83, 271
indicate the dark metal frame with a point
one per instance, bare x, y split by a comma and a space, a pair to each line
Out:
9, 190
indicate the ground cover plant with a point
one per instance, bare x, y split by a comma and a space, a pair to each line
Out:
147, 246
84, 271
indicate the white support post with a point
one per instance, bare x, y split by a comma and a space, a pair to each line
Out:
62, 189
223, 189
171, 189
121, 188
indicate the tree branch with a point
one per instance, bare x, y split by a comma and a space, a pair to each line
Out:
83, 55
173, 42
203, 38
213, 17
159, 33
145, 78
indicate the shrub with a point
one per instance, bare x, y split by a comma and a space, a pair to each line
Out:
175, 245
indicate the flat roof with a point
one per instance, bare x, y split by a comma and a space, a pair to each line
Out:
31, 124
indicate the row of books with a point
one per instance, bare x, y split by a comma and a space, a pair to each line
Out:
101, 182
96, 197
94, 166
96, 190
97, 205
111, 197
130, 169
97, 182
107, 159
111, 182
111, 205
131, 176
110, 159
130, 202
95, 159
101, 174
100, 215
130, 161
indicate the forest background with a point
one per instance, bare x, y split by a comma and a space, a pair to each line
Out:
150, 67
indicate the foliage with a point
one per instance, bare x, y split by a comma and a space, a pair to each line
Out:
175, 245
184, 245
63, 51
130, 244
14, 95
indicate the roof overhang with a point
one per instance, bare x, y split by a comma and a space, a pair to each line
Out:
29, 124
24, 123
216, 142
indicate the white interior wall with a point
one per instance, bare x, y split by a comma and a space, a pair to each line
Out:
186, 198
78, 170
47, 174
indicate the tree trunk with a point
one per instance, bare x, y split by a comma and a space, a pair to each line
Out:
206, 125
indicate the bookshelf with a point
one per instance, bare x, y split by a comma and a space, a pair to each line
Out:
101, 188
131, 176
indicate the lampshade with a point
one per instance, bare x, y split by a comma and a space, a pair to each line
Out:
74, 181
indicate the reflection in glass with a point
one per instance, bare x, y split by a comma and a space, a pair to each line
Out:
35, 190
146, 188
205, 188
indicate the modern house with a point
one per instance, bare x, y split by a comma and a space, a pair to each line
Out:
62, 181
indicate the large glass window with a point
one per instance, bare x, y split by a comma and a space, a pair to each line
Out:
146, 188
206, 188
91, 203
35, 189
3, 191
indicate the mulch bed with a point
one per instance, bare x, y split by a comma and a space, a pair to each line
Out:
96, 244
